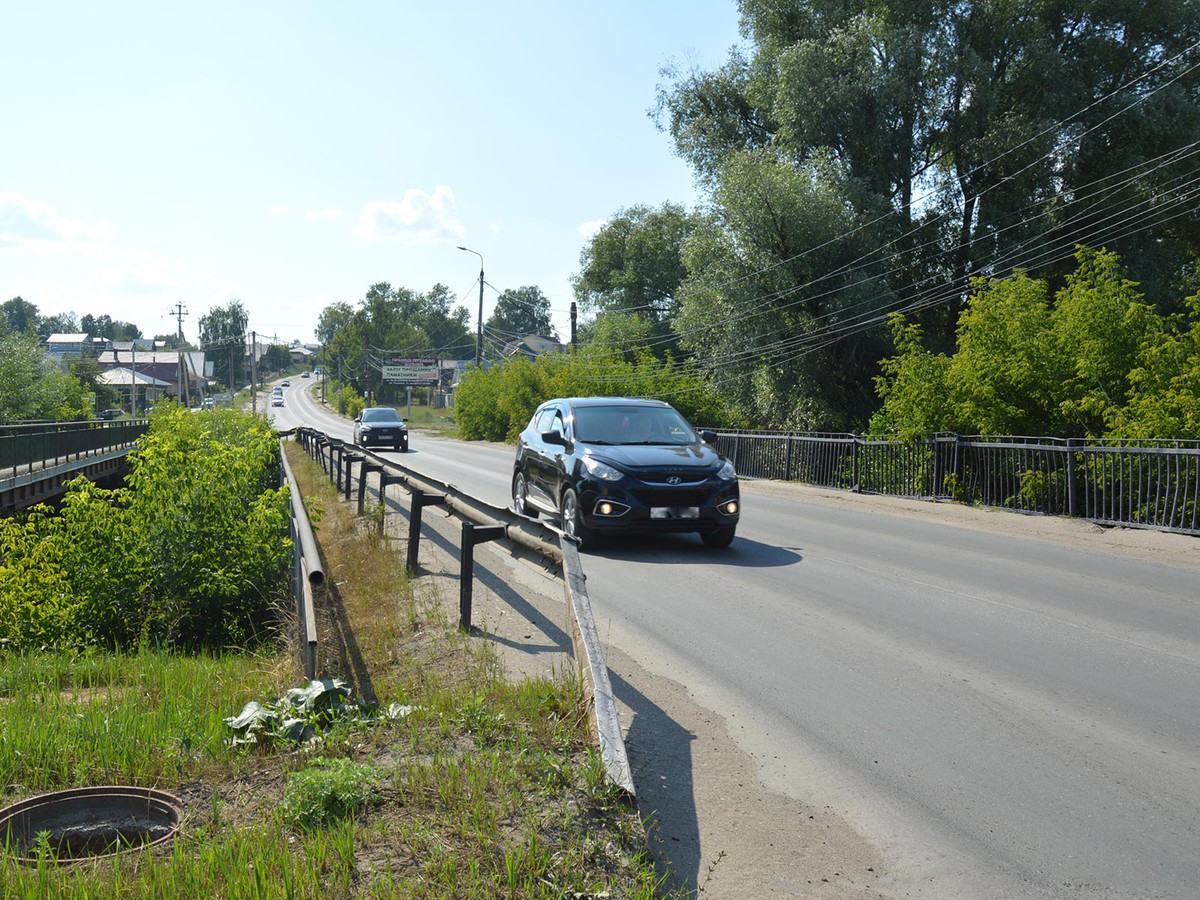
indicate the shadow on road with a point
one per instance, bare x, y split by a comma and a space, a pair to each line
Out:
686, 549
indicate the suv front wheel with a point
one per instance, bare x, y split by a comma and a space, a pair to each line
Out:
572, 522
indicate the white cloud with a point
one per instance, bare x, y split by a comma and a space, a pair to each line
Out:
590, 229
420, 218
316, 215
142, 273
30, 225
309, 215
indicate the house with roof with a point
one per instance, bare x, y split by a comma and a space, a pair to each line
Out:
532, 345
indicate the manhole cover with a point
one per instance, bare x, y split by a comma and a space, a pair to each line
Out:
88, 822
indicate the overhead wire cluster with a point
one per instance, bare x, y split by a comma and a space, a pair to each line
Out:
1095, 223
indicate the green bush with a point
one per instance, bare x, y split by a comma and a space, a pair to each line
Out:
495, 404
192, 553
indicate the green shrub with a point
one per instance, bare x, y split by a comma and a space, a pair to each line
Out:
192, 553
330, 790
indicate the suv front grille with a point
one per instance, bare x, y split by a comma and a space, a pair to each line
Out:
689, 496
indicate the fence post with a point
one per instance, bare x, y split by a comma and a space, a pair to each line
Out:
1072, 491
855, 481
365, 470
787, 460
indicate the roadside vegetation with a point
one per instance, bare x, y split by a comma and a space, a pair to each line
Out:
432, 775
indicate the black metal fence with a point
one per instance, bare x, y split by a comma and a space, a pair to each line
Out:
1141, 484
26, 446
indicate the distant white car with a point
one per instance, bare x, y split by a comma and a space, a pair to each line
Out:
277, 400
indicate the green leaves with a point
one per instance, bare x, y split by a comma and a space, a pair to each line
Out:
192, 554
1097, 361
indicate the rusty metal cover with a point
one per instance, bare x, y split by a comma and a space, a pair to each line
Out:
89, 822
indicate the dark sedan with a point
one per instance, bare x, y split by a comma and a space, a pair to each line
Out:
613, 464
380, 426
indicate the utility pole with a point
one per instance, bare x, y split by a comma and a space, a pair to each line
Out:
253, 371
180, 312
572, 324
479, 324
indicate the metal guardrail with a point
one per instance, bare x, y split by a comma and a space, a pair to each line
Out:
308, 572
26, 447
483, 521
1136, 484
39, 459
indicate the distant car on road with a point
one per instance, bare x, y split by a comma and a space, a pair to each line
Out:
285, 383
381, 425
110, 414
303, 374
616, 464
277, 400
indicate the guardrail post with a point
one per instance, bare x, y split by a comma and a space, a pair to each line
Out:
367, 469
386, 478
420, 500
350, 459
472, 534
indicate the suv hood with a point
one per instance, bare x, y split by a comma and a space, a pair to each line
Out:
688, 457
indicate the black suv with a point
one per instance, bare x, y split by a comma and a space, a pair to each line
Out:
609, 464
379, 425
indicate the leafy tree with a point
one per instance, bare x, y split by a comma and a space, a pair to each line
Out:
391, 322
775, 296
914, 386
1096, 361
19, 315
518, 313
1005, 374
1103, 326
1164, 394
974, 137
223, 337
60, 323
634, 265
31, 388
106, 326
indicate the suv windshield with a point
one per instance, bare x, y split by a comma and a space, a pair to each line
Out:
380, 416
632, 425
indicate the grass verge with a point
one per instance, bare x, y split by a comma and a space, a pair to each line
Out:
475, 786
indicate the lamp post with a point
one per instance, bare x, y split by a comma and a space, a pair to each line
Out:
479, 324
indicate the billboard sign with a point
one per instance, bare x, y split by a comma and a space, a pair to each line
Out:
412, 372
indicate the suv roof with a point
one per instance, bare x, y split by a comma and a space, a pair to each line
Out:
609, 401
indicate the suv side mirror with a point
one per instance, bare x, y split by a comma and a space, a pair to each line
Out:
709, 437
554, 437
358, 418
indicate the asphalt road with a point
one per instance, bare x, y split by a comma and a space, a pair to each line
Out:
1000, 713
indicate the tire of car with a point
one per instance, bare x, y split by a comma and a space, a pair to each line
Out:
401, 446
718, 537
520, 495
572, 522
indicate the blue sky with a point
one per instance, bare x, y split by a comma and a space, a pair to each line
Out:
292, 154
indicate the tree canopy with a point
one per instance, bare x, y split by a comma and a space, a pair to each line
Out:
867, 159
519, 312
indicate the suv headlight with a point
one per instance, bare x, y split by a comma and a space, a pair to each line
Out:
726, 472
600, 470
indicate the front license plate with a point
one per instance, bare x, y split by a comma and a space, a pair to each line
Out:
674, 512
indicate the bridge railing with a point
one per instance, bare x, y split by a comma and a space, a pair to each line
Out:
28, 446
1133, 483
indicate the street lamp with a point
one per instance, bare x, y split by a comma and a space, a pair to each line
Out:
479, 324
